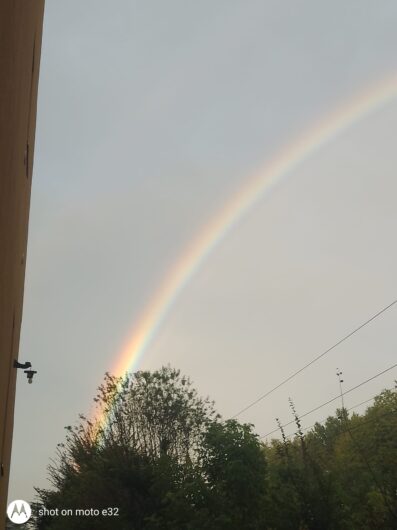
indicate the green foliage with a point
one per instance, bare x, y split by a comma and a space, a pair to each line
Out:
163, 458
341, 475
233, 464
168, 462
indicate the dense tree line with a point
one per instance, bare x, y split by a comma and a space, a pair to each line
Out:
339, 475
165, 460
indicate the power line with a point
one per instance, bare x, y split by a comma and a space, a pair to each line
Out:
347, 410
292, 376
361, 424
358, 448
361, 452
332, 399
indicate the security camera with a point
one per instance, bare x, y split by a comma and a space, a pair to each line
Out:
29, 375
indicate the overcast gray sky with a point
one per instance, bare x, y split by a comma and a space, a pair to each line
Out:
151, 114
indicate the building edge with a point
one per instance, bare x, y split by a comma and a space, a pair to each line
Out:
21, 23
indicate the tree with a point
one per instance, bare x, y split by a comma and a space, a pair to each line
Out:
163, 457
233, 464
340, 475
167, 461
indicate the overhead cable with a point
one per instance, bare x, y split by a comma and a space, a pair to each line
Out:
333, 399
317, 358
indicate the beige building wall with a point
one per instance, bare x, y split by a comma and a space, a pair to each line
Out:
20, 43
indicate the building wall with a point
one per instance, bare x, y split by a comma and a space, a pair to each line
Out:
20, 45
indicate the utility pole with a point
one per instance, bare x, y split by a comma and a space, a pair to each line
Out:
339, 376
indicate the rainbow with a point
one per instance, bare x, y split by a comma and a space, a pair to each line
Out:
255, 188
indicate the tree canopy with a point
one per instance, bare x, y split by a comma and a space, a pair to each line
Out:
164, 459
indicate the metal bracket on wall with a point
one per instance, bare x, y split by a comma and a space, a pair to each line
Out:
25, 366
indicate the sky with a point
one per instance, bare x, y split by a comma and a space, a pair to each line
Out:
151, 115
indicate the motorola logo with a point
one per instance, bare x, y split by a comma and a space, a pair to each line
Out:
19, 511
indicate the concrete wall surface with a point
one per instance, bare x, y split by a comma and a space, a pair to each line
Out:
20, 44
